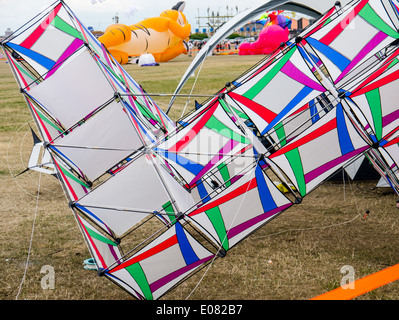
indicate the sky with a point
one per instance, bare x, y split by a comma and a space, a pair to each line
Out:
99, 13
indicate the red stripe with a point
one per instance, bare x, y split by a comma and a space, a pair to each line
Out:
255, 107
376, 74
17, 70
92, 244
160, 247
235, 193
40, 120
334, 33
75, 197
390, 143
315, 134
35, 35
390, 134
321, 24
82, 29
380, 83
306, 106
194, 131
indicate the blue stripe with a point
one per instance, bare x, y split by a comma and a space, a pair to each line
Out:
338, 59
306, 54
59, 152
345, 141
89, 213
187, 164
313, 112
202, 192
185, 247
294, 102
383, 142
265, 196
133, 114
40, 59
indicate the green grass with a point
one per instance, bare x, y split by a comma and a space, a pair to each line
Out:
295, 257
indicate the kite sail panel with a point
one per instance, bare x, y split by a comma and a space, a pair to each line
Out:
158, 201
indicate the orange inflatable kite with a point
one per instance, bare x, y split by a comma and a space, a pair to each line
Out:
164, 37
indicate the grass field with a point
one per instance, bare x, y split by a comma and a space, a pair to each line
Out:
297, 256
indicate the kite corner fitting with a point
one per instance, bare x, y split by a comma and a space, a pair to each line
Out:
179, 216
117, 96
298, 40
46, 144
342, 95
222, 253
101, 272
298, 200
375, 145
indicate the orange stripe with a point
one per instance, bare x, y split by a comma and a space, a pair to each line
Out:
363, 285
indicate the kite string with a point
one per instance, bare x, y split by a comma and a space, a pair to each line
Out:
192, 89
213, 259
31, 238
319, 227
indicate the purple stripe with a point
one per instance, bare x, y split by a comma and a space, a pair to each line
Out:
172, 276
329, 165
248, 224
227, 148
379, 37
293, 72
67, 53
388, 119
235, 178
132, 103
106, 56
114, 255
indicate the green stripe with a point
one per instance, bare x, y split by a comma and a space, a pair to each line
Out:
368, 14
374, 101
279, 128
145, 112
227, 108
99, 237
224, 171
63, 26
327, 22
170, 211
138, 275
71, 176
215, 125
394, 62
258, 87
22, 70
296, 164
45, 119
216, 219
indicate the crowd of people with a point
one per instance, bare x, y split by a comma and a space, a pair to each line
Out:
224, 47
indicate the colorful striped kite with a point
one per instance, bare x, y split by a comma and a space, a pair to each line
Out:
157, 201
